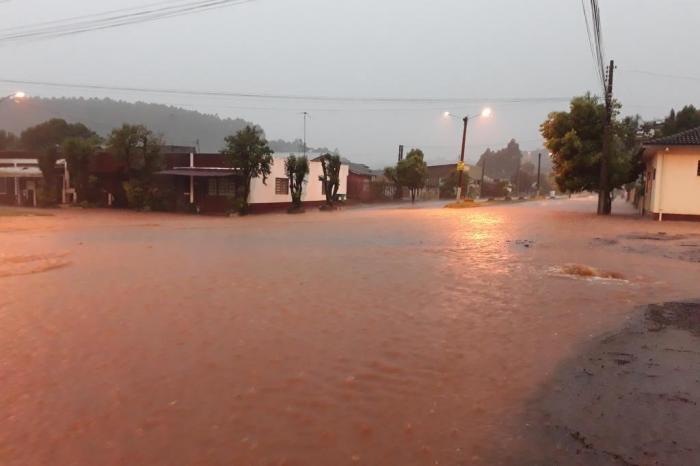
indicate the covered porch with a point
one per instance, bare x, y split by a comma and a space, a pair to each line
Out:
207, 189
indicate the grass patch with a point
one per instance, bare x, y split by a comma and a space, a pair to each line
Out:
11, 212
468, 204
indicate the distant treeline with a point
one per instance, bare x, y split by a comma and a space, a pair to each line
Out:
178, 126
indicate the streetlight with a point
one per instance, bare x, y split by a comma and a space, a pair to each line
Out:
19, 95
485, 113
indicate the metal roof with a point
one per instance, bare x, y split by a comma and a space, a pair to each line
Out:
208, 172
20, 172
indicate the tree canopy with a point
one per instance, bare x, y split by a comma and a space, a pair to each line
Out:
412, 172
330, 164
46, 139
296, 168
138, 148
502, 164
8, 140
52, 133
78, 152
685, 119
248, 151
575, 139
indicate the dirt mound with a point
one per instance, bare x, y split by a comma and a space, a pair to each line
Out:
31, 264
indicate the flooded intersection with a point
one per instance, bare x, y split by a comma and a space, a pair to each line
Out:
370, 336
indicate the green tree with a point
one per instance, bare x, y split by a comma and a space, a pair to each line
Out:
45, 139
393, 177
248, 151
685, 119
575, 139
8, 140
330, 164
139, 151
412, 172
78, 152
297, 168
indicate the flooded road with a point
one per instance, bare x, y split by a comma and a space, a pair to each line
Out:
390, 336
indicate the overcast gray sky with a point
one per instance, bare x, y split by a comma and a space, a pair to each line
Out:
372, 48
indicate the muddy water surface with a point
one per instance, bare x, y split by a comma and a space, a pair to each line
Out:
390, 336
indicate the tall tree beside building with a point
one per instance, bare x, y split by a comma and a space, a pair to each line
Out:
78, 152
412, 172
8, 140
575, 139
297, 168
139, 151
46, 139
248, 151
330, 164
393, 177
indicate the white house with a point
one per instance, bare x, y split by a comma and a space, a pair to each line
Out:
275, 193
672, 176
21, 179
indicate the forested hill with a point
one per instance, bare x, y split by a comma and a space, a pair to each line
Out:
178, 126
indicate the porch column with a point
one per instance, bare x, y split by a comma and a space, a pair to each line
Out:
191, 179
17, 193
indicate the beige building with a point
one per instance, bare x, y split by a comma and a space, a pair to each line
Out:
672, 177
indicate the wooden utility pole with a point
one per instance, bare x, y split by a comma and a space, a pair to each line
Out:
604, 202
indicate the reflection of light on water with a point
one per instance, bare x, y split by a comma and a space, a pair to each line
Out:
480, 228
478, 239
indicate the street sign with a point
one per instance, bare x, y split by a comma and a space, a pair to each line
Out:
460, 166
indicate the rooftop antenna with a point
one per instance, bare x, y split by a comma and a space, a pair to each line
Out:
306, 114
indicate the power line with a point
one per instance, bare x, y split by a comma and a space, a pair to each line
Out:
111, 19
595, 39
289, 97
663, 75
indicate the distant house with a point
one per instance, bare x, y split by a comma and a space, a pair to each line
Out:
360, 178
206, 181
21, 179
672, 176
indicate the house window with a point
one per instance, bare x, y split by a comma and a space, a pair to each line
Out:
323, 188
698, 167
282, 186
227, 187
3, 185
222, 187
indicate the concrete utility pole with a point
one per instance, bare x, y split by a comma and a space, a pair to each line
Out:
604, 202
461, 159
539, 164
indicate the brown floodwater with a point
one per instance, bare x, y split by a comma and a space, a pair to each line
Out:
382, 336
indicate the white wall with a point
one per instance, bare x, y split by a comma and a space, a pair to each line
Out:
313, 191
677, 186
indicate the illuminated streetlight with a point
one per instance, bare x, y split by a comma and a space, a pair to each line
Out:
19, 95
485, 113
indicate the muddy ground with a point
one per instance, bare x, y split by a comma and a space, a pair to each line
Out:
381, 336
630, 398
